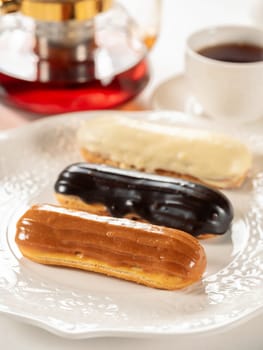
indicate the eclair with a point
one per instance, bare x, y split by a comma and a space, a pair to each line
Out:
159, 200
151, 255
199, 155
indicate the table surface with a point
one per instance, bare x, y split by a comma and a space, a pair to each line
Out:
179, 19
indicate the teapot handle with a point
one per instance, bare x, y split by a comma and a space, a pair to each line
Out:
147, 15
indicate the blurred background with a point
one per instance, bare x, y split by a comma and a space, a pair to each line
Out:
178, 18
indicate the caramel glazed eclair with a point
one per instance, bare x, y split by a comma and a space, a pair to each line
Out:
151, 255
159, 200
196, 154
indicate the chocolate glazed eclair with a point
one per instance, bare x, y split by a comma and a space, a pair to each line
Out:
159, 200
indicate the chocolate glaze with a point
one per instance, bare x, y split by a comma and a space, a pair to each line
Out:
165, 201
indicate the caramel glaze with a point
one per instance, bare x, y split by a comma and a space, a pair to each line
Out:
68, 235
175, 203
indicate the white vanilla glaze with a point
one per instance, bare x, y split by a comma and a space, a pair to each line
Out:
205, 155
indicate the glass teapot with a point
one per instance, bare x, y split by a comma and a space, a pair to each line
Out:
60, 56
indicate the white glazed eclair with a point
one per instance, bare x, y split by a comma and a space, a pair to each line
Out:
197, 154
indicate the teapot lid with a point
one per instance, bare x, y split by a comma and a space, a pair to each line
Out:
56, 10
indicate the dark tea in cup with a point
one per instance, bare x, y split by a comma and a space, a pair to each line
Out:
233, 52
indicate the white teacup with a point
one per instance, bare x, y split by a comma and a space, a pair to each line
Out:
231, 91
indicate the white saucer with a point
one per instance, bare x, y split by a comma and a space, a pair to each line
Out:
175, 94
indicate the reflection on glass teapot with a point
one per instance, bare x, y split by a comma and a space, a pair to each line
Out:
60, 56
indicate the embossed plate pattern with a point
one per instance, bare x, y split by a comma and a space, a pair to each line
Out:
79, 304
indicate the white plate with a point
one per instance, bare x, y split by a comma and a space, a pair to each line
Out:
79, 304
